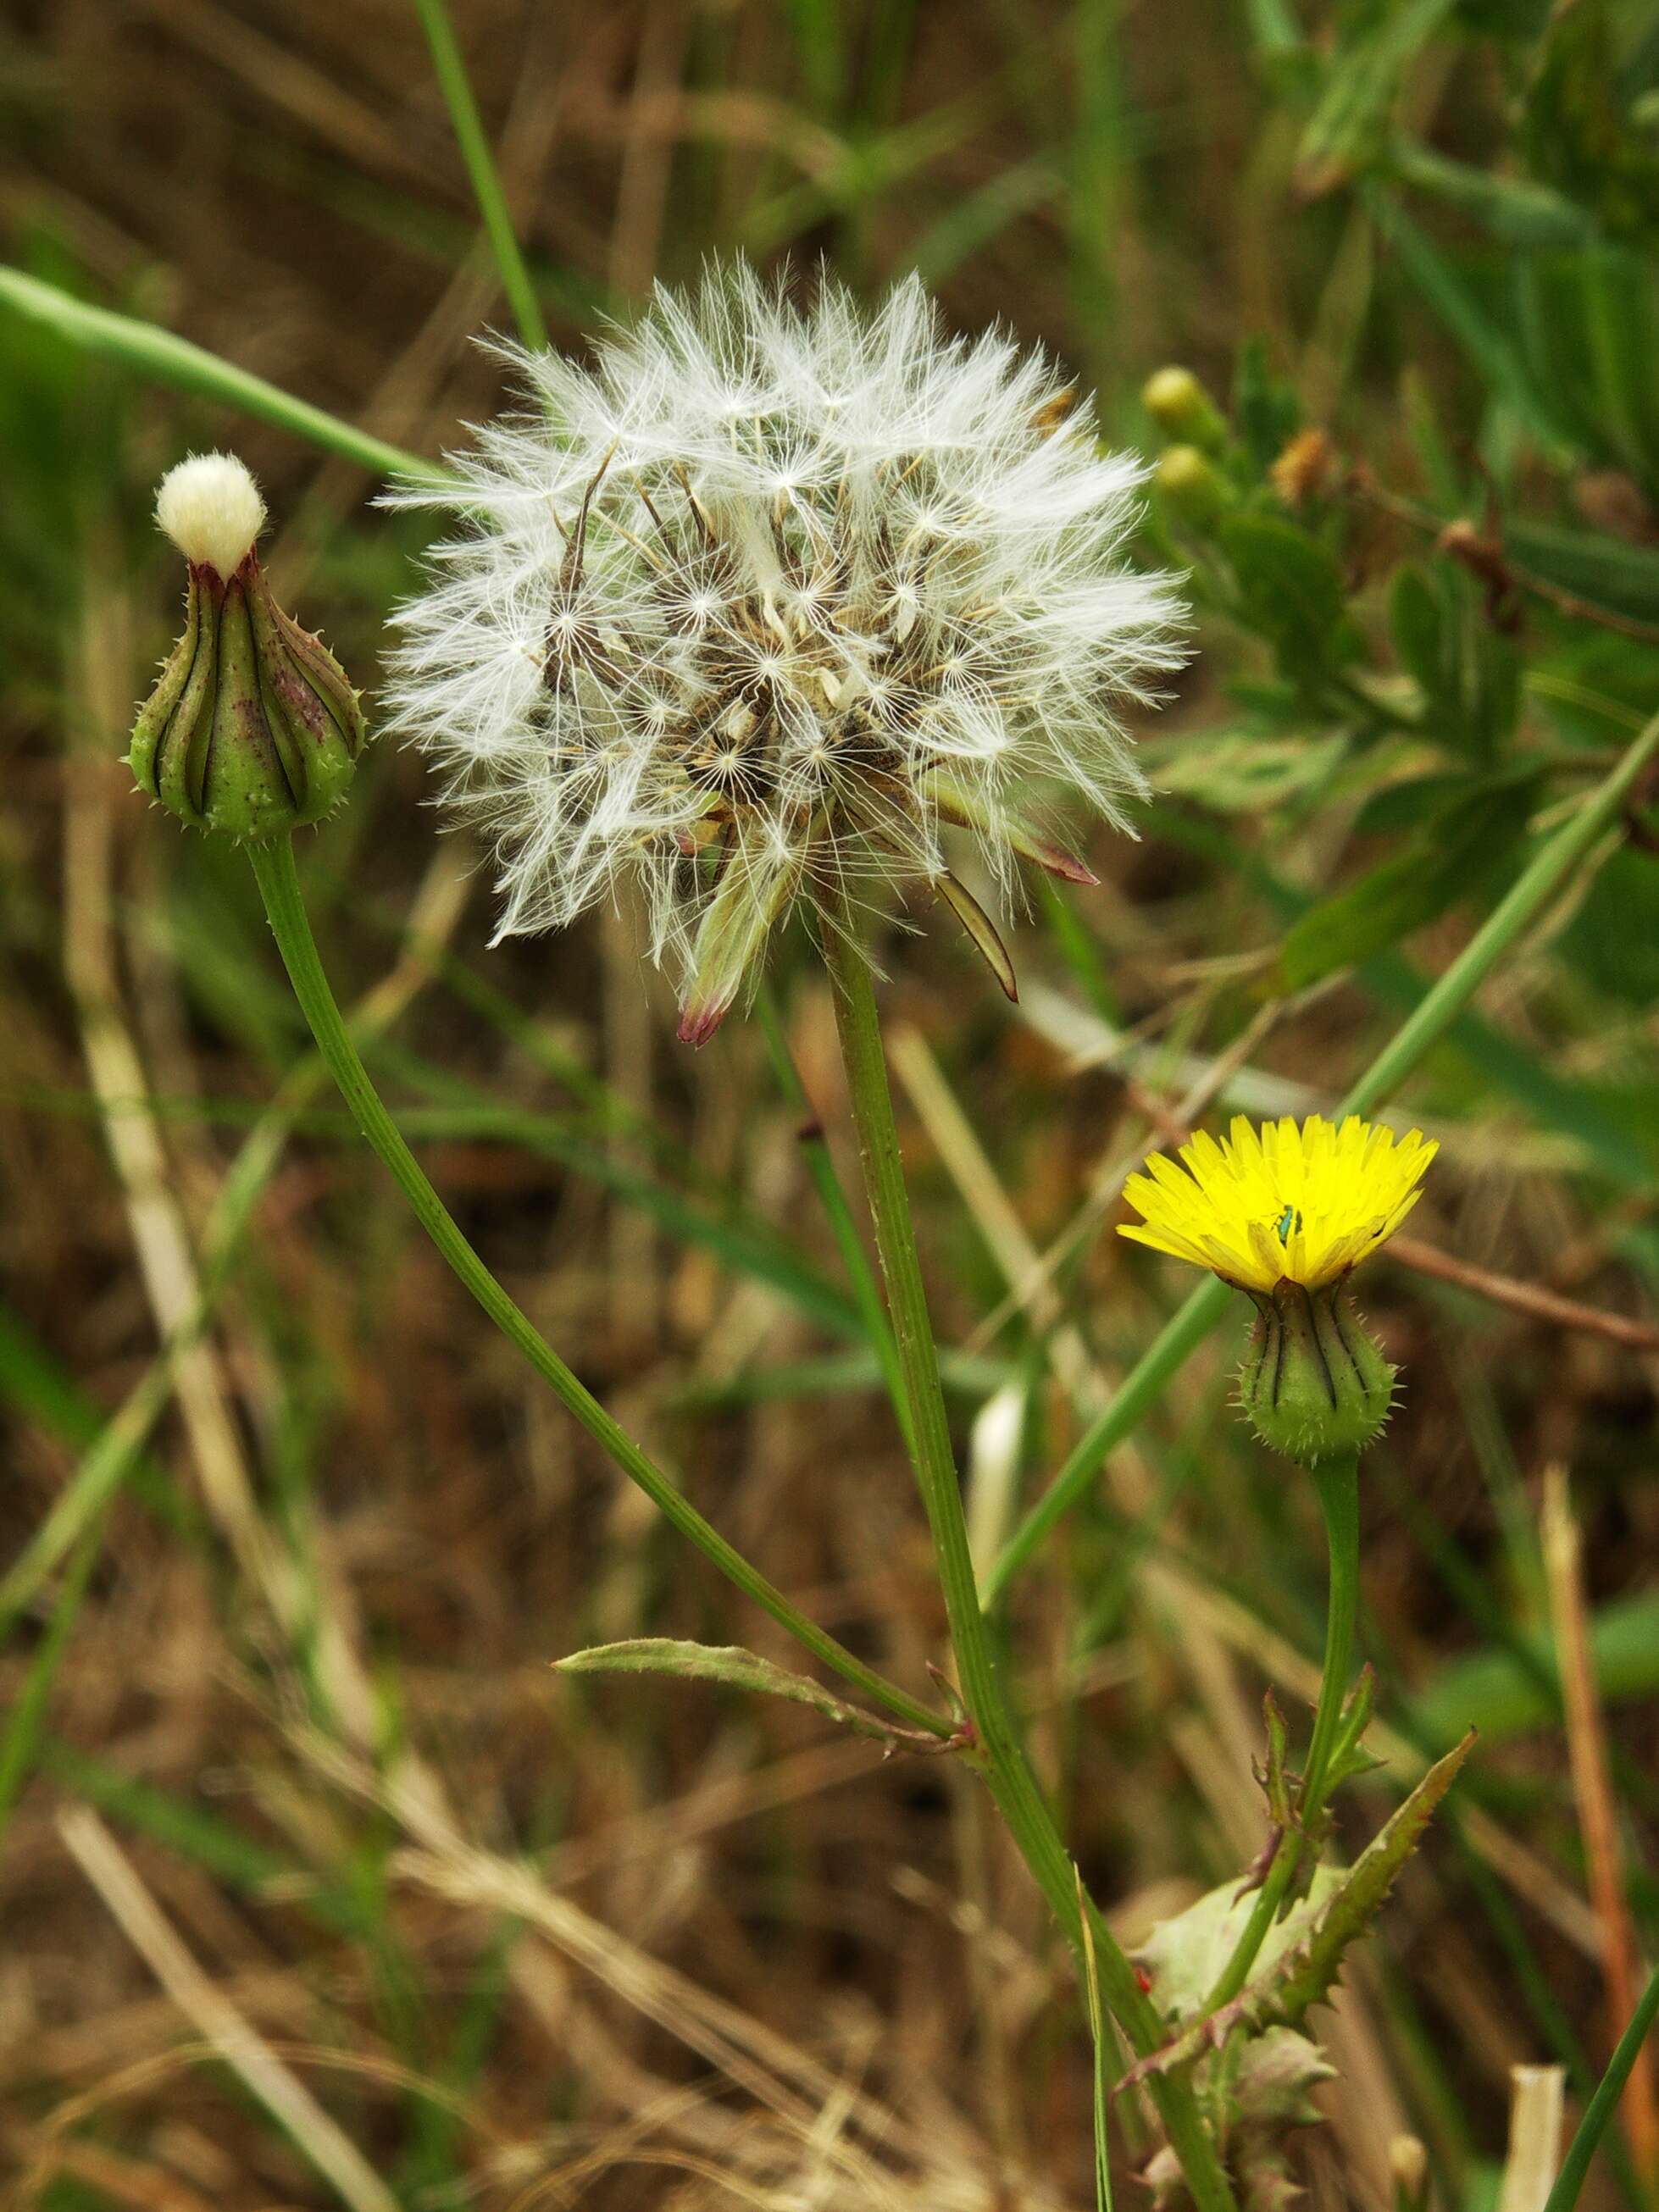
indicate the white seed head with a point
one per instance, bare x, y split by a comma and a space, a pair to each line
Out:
210, 508
781, 589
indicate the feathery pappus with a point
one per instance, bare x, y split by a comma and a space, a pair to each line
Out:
771, 596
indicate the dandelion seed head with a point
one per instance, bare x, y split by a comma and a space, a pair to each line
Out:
729, 599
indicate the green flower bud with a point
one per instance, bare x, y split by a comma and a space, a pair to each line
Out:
252, 727
1188, 484
1314, 1385
1184, 411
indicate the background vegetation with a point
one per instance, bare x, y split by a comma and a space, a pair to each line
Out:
319, 1886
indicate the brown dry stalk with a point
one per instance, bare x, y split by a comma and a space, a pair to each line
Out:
1530, 1299
1485, 557
1592, 1790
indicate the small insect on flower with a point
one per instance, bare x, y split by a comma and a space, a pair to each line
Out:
766, 598
1286, 1213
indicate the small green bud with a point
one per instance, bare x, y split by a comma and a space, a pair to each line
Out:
1184, 411
1314, 1385
1189, 484
253, 727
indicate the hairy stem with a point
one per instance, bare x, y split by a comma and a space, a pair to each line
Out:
833, 1198
1003, 1762
1538, 883
279, 886
1338, 1483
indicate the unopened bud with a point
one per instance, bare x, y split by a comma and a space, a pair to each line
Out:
1184, 411
1191, 486
1313, 1384
1305, 469
253, 727
1408, 2170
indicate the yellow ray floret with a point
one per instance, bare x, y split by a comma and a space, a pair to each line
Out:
1281, 1203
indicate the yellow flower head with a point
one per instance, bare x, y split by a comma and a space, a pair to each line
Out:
1284, 1203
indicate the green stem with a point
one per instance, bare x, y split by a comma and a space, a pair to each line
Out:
279, 886
1601, 2107
485, 178
1439, 1007
866, 1291
1338, 1483
1008, 1775
176, 360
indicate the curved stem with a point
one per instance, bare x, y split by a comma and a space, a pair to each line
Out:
189, 368
1008, 1775
1538, 881
279, 886
1338, 1483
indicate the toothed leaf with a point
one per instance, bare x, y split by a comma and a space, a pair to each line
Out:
1301, 1973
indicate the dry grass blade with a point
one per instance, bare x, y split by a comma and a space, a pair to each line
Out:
241, 2047
1598, 1818
1534, 2152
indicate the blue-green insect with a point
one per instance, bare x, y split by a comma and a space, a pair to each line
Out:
1287, 1223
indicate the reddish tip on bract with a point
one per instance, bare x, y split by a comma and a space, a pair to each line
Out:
699, 1023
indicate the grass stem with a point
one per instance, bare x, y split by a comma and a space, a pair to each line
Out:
1601, 2107
482, 172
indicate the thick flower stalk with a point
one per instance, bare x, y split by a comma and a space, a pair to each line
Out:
253, 727
768, 599
1284, 1215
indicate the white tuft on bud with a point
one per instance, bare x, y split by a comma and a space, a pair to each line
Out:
210, 508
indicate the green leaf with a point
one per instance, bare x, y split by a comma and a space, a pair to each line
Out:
1491, 1690
1345, 130
727, 1663
1233, 772
1097, 2040
1442, 865
1504, 18
1290, 591
1419, 625
1185, 1956
1266, 409
1604, 570
1588, 326
1577, 132
1514, 209
1500, 364
1614, 938
1303, 1973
